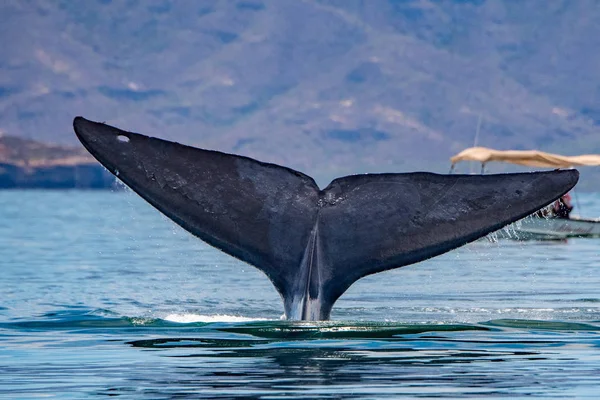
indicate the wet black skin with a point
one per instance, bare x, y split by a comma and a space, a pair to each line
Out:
312, 243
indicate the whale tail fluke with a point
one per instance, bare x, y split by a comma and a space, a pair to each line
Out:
311, 243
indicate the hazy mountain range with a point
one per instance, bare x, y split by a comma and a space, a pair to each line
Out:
328, 87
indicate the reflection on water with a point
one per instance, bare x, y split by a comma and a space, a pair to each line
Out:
121, 303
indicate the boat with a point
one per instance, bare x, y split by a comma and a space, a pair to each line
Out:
551, 228
544, 224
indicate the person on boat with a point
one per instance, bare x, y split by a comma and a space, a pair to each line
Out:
562, 207
546, 212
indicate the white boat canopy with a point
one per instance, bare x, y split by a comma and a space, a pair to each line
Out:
529, 158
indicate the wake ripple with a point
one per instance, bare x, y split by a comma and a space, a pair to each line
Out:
276, 329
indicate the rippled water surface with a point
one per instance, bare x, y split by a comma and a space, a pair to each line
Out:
101, 296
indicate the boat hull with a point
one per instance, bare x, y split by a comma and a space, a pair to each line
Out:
536, 228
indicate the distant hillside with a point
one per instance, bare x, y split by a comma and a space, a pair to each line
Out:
31, 153
328, 87
30, 164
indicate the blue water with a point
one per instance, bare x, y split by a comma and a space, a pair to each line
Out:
102, 296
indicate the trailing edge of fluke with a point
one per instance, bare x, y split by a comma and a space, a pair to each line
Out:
312, 243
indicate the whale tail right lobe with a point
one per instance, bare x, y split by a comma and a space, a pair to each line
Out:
313, 244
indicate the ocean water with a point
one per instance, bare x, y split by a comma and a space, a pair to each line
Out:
102, 296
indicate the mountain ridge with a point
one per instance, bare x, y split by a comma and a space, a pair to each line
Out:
326, 87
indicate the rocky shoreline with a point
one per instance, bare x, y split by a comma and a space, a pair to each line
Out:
27, 164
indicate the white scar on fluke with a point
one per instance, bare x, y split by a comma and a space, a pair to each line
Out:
314, 243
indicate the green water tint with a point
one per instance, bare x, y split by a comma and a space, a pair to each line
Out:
542, 325
288, 330
263, 329
341, 330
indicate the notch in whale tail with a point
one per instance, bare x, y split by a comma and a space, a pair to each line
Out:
311, 243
